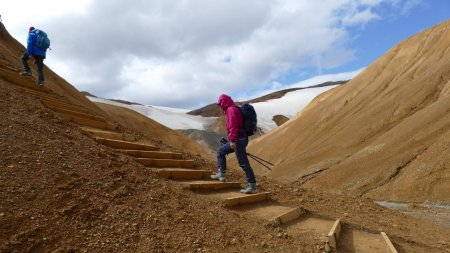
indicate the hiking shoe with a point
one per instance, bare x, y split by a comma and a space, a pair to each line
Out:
219, 176
25, 73
251, 188
40, 83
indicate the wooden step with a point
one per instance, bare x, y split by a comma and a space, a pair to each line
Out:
125, 144
211, 185
78, 114
355, 240
8, 69
15, 78
288, 216
166, 163
334, 234
43, 94
175, 173
106, 134
275, 213
153, 154
247, 199
389, 245
89, 122
63, 105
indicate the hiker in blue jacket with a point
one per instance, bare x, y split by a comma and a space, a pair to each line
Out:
36, 53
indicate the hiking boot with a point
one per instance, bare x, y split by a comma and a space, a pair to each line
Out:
251, 188
40, 83
219, 176
25, 73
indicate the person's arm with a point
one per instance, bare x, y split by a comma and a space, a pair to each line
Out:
233, 114
30, 44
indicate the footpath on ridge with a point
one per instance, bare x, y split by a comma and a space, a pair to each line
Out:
288, 218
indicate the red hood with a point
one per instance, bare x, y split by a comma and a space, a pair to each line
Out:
225, 101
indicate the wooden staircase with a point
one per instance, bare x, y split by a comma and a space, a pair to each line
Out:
103, 130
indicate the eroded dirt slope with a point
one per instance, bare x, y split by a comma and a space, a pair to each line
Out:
385, 134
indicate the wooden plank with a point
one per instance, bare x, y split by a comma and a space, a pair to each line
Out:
125, 144
15, 78
287, 216
79, 114
53, 104
389, 246
107, 134
104, 133
247, 199
60, 101
161, 163
44, 94
88, 122
214, 185
333, 235
183, 173
153, 154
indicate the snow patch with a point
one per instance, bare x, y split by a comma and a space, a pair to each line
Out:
288, 105
170, 117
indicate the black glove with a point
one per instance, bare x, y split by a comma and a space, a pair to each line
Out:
223, 141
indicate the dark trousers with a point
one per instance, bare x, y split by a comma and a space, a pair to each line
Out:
39, 60
241, 154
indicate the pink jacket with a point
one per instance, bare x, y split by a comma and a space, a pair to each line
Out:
234, 117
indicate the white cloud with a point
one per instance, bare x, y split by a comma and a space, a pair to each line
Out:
19, 15
405, 6
184, 53
408, 5
360, 18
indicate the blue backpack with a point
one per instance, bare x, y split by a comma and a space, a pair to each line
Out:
42, 40
249, 118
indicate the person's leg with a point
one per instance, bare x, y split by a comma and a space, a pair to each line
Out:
40, 68
222, 161
241, 154
26, 67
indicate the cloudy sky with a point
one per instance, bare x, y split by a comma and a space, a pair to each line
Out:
184, 53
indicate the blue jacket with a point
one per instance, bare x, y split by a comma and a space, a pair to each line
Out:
32, 49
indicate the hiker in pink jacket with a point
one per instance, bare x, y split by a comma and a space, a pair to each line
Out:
238, 141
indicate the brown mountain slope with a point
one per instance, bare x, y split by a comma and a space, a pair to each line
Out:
385, 134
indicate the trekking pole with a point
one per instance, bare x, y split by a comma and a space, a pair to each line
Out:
260, 162
224, 141
259, 158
